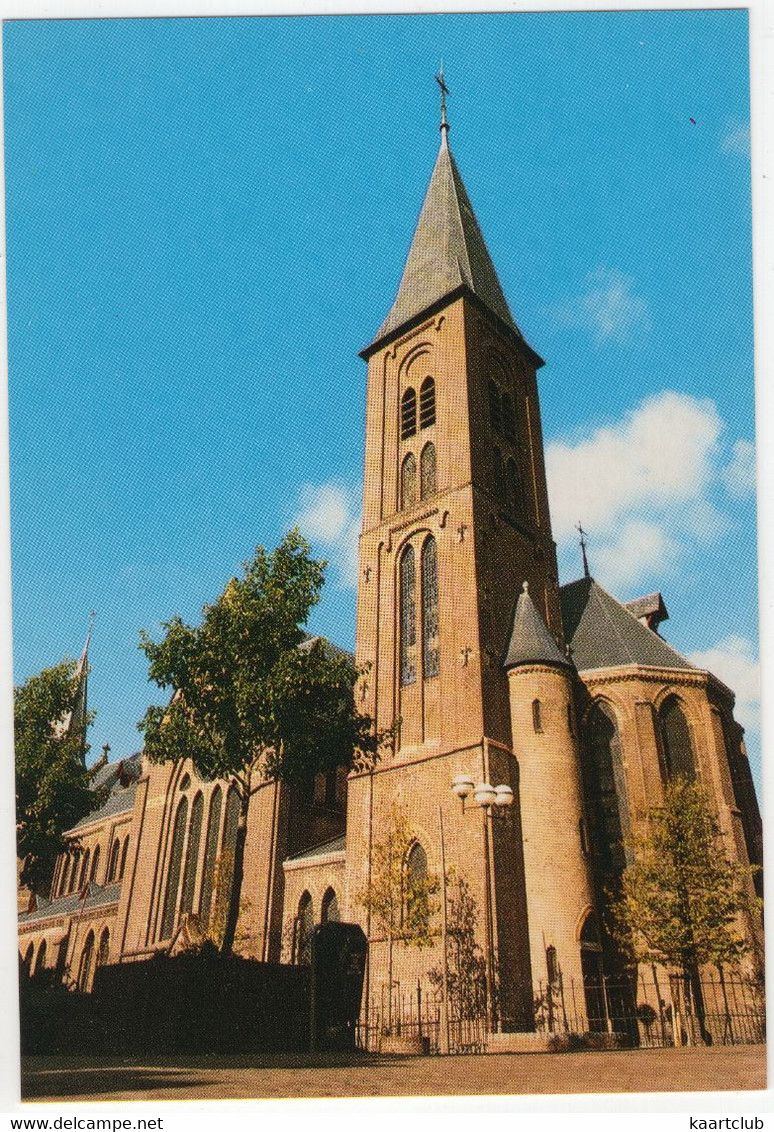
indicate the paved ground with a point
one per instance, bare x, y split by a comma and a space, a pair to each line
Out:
254, 1076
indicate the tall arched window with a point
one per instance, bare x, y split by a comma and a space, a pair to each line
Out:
427, 403
495, 407
84, 870
415, 896
537, 716
113, 862
87, 957
508, 417
408, 617
173, 874
408, 481
430, 649
329, 912
27, 961
124, 851
76, 866
427, 471
210, 853
94, 865
498, 476
677, 755
305, 926
606, 791
192, 855
104, 947
408, 414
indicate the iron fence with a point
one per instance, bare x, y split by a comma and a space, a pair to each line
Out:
652, 1010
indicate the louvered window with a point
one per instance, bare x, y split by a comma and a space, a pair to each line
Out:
508, 417
408, 414
495, 408
427, 403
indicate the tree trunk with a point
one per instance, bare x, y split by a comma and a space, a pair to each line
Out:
236, 881
698, 1001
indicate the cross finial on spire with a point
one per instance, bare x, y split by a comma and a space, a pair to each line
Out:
582, 533
444, 91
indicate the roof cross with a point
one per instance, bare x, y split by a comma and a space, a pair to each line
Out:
582, 533
444, 91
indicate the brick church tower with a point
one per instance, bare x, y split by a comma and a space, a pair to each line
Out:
455, 520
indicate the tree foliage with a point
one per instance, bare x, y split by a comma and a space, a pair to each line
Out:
466, 965
53, 785
399, 899
681, 897
251, 698
680, 900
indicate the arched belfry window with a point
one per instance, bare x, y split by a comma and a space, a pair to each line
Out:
113, 864
508, 417
605, 790
495, 406
408, 414
408, 481
173, 873
498, 476
94, 865
513, 487
676, 749
427, 403
408, 616
210, 853
430, 649
427, 471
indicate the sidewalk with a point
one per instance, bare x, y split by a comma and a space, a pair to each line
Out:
370, 1075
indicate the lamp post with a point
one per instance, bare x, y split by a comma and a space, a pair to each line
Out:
490, 800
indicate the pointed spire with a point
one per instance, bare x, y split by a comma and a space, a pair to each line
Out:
73, 721
448, 255
530, 641
582, 534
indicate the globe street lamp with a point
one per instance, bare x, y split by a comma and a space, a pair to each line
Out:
491, 800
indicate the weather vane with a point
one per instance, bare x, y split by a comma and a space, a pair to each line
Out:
444, 91
582, 533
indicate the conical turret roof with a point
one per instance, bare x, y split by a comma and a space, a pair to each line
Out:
448, 255
531, 642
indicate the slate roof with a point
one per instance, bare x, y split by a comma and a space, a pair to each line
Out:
98, 895
447, 254
120, 798
530, 641
331, 650
337, 845
651, 605
603, 633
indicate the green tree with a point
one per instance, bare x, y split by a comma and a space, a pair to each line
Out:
681, 898
53, 785
247, 702
399, 897
465, 961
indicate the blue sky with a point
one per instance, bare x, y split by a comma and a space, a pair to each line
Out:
207, 219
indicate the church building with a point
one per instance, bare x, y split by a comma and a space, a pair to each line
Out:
535, 725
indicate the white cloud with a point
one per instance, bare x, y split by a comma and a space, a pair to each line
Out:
737, 139
609, 307
648, 487
328, 514
734, 661
739, 473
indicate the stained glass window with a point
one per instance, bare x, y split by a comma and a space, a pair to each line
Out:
427, 471
408, 617
408, 481
430, 650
